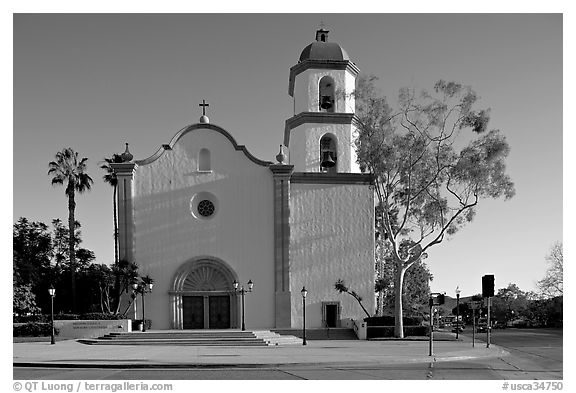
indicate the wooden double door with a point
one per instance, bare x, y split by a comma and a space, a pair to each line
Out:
206, 312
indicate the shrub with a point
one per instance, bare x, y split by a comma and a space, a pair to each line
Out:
416, 331
33, 329
65, 316
30, 318
380, 331
388, 320
388, 331
46, 317
100, 316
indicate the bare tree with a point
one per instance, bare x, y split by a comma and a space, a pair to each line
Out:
553, 283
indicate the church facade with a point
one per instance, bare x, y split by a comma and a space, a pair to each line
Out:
202, 214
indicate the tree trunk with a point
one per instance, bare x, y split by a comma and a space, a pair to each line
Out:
71, 228
380, 310
398, 290
115, 227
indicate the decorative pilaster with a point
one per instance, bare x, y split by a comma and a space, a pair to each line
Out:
281, 175
125, 175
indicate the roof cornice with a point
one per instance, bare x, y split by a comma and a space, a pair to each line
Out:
331, 178
198, 126
318, 118
320, 64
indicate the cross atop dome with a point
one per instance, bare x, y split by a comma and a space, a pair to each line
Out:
204, 118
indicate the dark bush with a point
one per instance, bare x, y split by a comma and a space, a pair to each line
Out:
30, 318
100, 316
46, 317
416, 331
33, 329
61, 317
380, 331
388, 331
388, 320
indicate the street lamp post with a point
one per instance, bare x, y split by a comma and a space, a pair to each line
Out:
431, 345
142, 287
243, 292
304, 292
457, 311
52, 293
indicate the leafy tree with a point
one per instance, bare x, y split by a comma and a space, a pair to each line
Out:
32, 251
509, 302
416, 290
433, 159
546, 312
70, 171
101, 275
24, 300
341, 287
553, 283
125, 273
61, 244
111, 178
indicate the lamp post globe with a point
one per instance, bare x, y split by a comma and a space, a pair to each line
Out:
304, 293
457, 310
52, 293
243, 292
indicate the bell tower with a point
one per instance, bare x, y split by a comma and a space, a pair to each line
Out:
320, 135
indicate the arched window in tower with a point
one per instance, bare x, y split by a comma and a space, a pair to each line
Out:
328, 154
204, 160
326, 94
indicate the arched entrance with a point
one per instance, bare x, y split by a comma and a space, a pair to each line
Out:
202, 295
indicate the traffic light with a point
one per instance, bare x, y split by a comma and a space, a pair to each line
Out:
488, 285
441, 298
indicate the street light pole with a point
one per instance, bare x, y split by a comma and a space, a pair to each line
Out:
142, 287
143, 311
431, 304
304, 292
52, 293
488, 326
243, 292
457, 311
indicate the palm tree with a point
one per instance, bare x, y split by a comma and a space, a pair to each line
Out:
70, 171
340, 286
111, 178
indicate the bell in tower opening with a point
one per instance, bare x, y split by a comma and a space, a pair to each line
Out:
328, 154
326, 91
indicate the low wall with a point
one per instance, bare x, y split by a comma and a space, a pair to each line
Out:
91, 328
361, 329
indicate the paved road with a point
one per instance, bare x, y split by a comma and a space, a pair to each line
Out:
462, 371
535, 354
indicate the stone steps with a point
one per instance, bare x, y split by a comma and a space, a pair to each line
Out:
195, 338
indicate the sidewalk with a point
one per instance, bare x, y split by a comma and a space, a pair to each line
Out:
70, 353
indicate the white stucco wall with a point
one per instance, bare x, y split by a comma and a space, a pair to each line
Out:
304, 150
331, 238
166, 234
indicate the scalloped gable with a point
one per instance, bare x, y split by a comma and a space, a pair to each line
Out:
203, 126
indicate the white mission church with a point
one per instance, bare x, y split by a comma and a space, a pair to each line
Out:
202, 213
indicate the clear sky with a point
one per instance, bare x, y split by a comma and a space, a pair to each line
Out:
96, 81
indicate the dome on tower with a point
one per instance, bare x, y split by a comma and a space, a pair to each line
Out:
321, 49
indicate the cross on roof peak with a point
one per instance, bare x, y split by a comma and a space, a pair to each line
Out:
203, 105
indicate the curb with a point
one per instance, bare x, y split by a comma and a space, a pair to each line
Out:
420, 359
